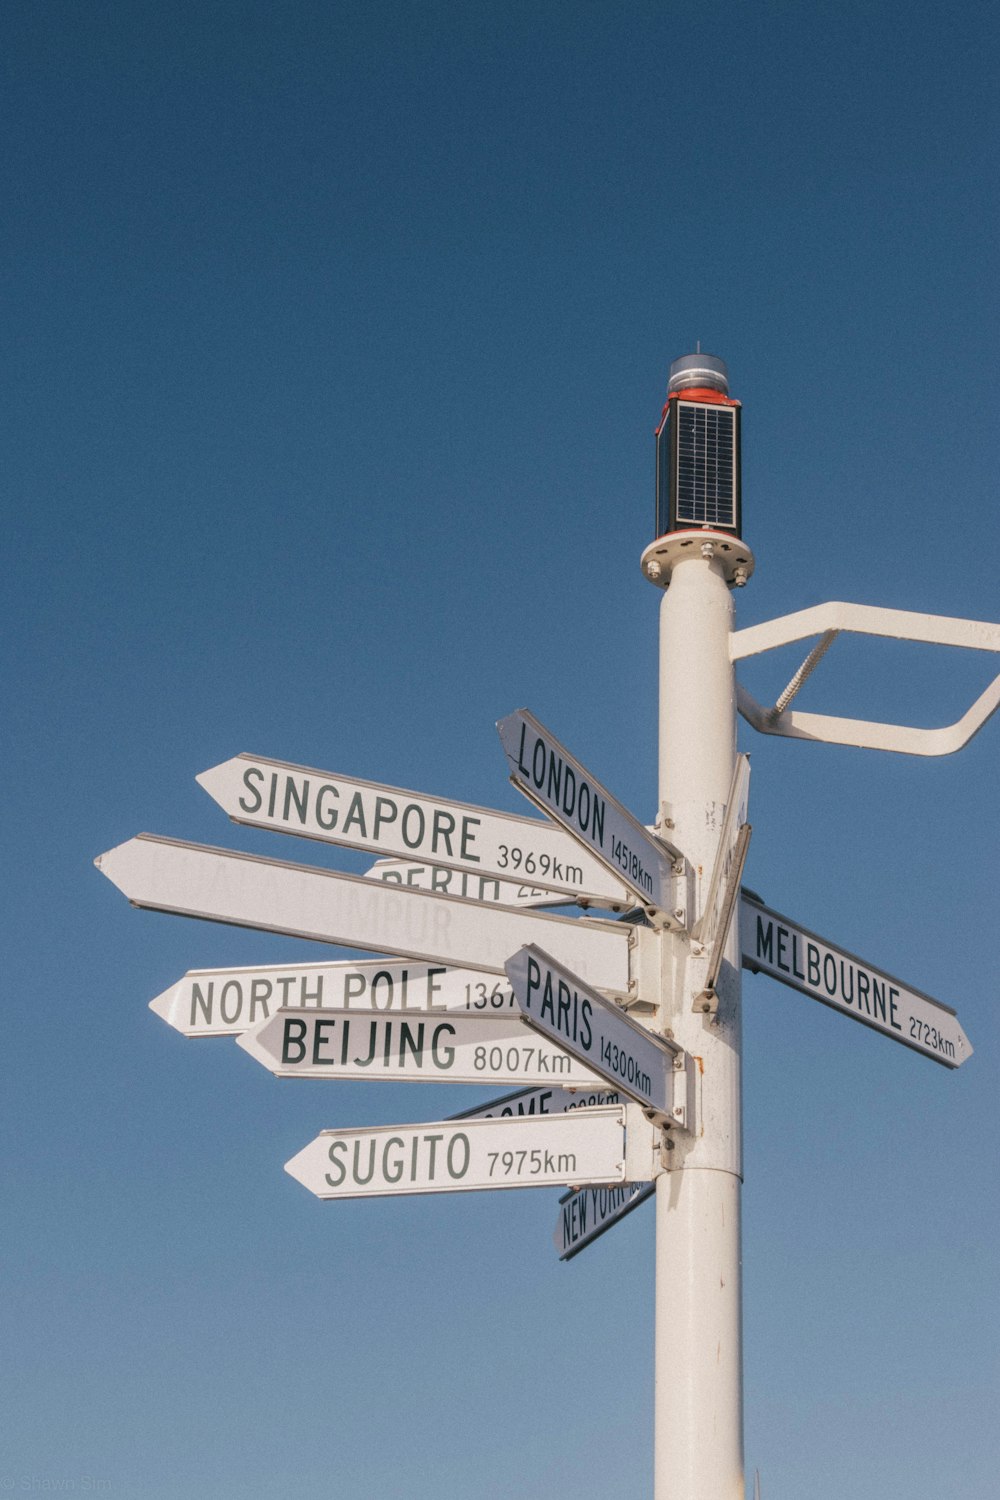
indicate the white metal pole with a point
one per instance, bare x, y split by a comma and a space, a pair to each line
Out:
699, 1356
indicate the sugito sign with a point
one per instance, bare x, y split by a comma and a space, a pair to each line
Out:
463, 1156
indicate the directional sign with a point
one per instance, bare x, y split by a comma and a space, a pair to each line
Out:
303, 901
598, 1032
386, 820
541, 1101
775, 945
584, 1215
225, 1002
430, 1049
550, 777
450, 1157
463, 883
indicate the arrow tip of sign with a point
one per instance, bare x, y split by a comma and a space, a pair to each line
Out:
109, 863
247, 1041
295, 1166
162, 1004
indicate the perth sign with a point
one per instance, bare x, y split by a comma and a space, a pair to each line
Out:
464, 883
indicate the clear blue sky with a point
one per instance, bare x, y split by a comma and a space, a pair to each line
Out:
334, 339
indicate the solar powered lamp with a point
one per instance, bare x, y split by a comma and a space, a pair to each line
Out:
698, 501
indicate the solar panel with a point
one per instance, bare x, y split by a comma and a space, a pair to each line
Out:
706, 465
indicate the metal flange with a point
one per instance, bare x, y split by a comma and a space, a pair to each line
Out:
662, 556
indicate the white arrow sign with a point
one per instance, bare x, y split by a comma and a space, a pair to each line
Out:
550, 777
775, 945
225, 1002
542, 1101
387, 820
303, 901
463, 883
585, 1214
559, 1005
450, 1157
430, 1049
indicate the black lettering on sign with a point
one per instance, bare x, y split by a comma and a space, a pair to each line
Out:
293, 1047
893, 1016
249, 774
198, 998
327, 820
392, 1171
782, 937
363, 1181
384, 978
415, 1044
878, 998
443, 1055
356, 815
444, 827
812, 964
300, 799
413, 825
335, 1148
321, 1025
469, 837
795, 957
459, 1153
308, 994
385, 812
260, 991
365, 1062
232, 1015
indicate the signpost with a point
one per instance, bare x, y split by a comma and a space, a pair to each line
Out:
226, 1002
585, 1214
775, 945
222, 886
358, 814
559, 1005
427, 1049
450, 1156
550, 777
441, 1011
463, 883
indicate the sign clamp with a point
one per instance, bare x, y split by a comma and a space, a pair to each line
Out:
707, 1001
